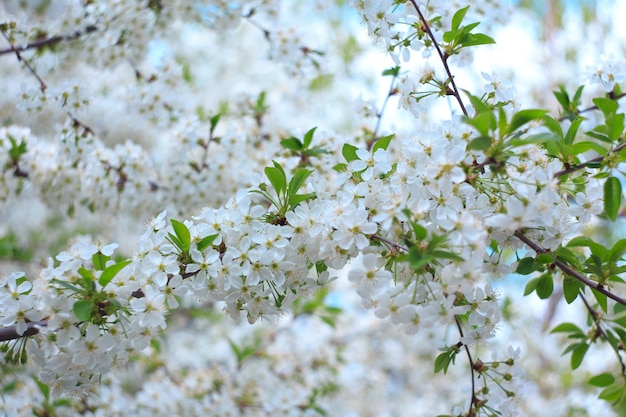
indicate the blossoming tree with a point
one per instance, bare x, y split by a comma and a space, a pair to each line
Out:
261, 206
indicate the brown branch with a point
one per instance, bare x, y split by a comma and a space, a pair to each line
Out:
41, 43
569, 270
20, 58
588, 109
596, 319
444, 58
10, 333
471, 362
576, 167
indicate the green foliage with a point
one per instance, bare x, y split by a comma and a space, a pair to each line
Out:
569, 106
10, 248
316, 306
285, 196
612, 197
461, 36
246, 351
447, 357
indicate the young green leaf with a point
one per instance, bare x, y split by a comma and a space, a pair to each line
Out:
567, 328
109, 273
545, 286
612, 197
292, 144
298, 179
602, 380
393, 71
606, 105
578, 354
475, 39
382, 143
183, 235
458, 17
276, 176
82, 309
522, 117
349, 152
206, 242
308, 137
526, 266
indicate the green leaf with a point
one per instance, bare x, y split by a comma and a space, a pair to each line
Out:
109, 273
544, 258
206, 242
571, 288
458, 17
585, 146
545, 286
615, 126
573, 129
612, 197
308, 137
481, 143
382, 143
598, 135
291, 143
526, 266
596, 249
553, 125
295, 199
393, 71
531, 286
99, 261
612, 393
567, 328
444, 359
602, 380
578, 354
349, 152
617, 251
44, 388
321, 81
82, 309
483, 122
420, 232
183, 235
418, 261
87, 275
475, 39
601, 299
276, 176
606, 105
214, 121
297, 181
542, 137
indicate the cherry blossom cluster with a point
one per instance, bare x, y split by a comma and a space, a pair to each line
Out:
258, 216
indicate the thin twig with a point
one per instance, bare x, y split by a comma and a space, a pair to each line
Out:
588, 109
576, 167
471, 362
10, 333
442, 56
20, 58
40, 43
596, 319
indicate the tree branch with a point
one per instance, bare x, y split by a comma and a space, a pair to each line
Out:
584, 164
569, 270
444, 58
41, 43
10, 333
